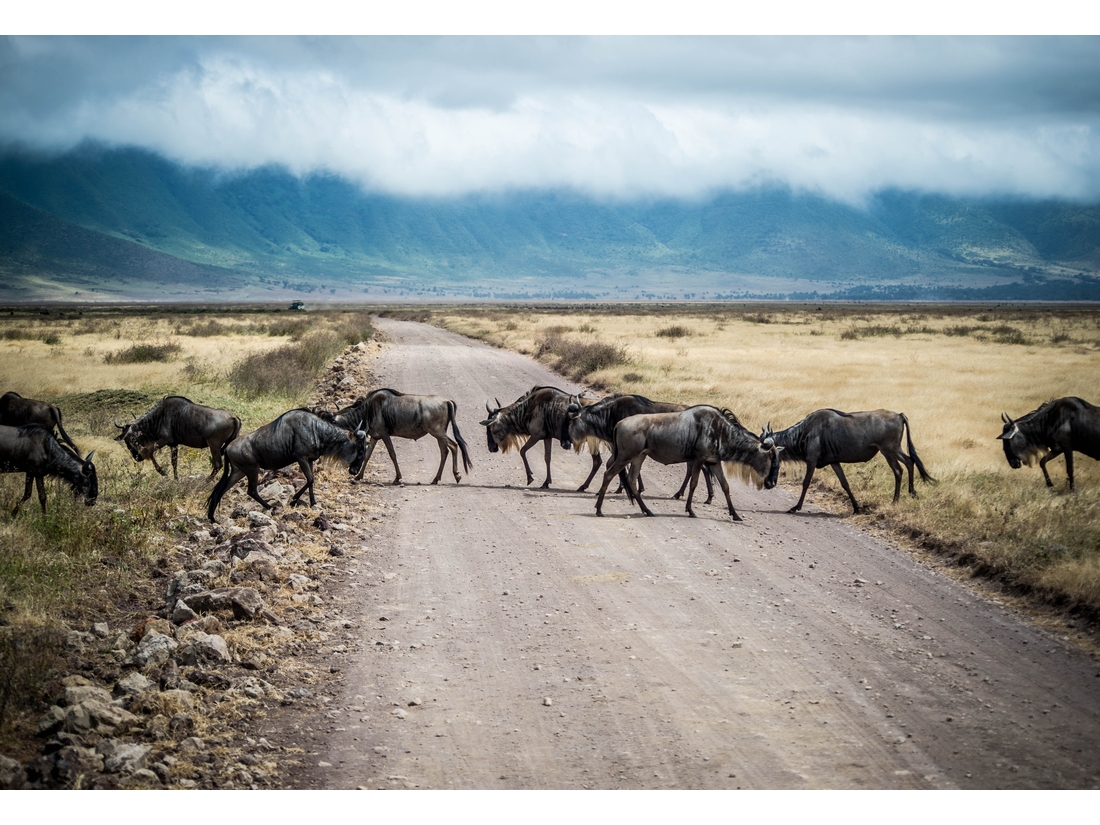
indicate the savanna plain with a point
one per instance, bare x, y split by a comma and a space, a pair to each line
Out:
952, 370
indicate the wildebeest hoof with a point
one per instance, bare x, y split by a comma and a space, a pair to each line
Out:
545, 485
793, 510
736, 517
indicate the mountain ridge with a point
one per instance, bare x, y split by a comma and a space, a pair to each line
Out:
274, 234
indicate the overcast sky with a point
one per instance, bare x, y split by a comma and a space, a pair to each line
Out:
617, 117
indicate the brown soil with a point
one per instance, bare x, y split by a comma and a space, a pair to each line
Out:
502, 636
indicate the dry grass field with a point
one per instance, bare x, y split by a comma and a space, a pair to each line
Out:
951, 370
76, 562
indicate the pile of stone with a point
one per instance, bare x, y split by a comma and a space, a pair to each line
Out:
140, 731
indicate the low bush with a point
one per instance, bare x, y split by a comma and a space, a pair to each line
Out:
144, 353
576, 358
674, 331
288, 370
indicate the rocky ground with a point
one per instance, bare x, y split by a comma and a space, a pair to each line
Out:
247, 633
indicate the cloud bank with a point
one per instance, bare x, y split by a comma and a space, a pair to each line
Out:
609, 117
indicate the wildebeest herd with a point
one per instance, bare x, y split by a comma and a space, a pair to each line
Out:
704, 438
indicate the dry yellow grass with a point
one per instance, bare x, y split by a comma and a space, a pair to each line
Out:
951, 370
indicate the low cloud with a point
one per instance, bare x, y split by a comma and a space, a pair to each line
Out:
525, 124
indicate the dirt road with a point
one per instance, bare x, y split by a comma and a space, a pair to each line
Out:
508, 638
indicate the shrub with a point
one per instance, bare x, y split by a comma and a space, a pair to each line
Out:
51, 339
578, 358
143, 353
674, 331
288, 370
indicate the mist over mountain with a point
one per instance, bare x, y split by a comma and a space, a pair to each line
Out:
109, 224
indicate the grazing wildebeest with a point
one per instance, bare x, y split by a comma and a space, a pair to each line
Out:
535, 416
830, 437
699, 435
297, 435
33, 450
1059, 426
385, 413
594, 425
15, 411
175, 421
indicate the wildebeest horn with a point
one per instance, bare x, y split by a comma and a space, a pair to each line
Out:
499, 405
88, 458
488, 409
1005, 418
115, 422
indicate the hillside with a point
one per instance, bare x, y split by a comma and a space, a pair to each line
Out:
124, 220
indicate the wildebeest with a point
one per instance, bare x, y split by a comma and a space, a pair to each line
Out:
33, 450
698, 435
384, 413
175, 421
1059, 426
295, 436
594, 425
535, 416
15, 411
830, 437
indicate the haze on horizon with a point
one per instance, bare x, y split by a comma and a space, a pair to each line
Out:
619, 118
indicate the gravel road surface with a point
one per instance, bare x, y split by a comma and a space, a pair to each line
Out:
512, 639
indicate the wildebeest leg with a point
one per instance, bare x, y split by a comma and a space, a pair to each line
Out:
175, 461
307, 471
453, 447
844, 483
253, 485
157, 467
805, 486
707, 477
633, 487
895, 468
215, 458
726, 492
549, 447
693, 475
531, 442
41, 492
613, 469
1054, 454
393, 457
366, 458
443, 450
1069, 467
26, 495
597, 460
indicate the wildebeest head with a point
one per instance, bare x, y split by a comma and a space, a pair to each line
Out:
360, 438
489, 423
140, 445
572, 412
89, 484
761, 467
1019, 449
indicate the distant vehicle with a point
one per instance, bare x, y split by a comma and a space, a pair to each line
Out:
15, 411
1059, 426
177, 420
831, 438
297, 306
32, 449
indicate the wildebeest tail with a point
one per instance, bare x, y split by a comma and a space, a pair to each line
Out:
56, 413
223, 483
452, 409
924, 476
